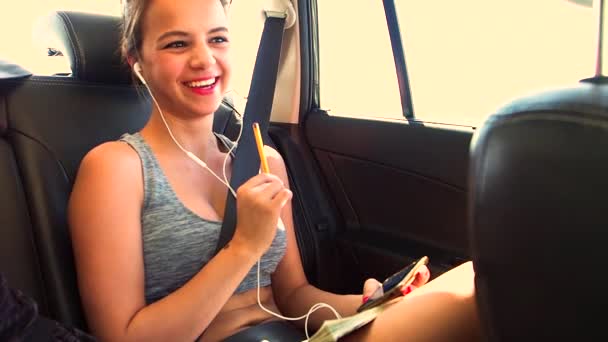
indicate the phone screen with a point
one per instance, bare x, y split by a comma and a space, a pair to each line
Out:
393, 284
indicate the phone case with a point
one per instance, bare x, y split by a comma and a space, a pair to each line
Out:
392, 285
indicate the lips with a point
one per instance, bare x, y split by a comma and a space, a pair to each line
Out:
201, 83
203, 86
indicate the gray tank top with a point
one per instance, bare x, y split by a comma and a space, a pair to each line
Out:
177, 243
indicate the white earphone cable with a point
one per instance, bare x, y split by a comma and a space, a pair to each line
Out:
188, 153
227, 184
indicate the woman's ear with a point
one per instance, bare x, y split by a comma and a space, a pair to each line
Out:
131, 60
136, 68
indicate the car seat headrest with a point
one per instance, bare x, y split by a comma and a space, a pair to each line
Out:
538, 216
8, 71
91, 42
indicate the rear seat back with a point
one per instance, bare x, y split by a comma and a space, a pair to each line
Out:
537, 216
51, 126
52, 122
18, 261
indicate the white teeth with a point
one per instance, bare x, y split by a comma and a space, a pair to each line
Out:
200, 84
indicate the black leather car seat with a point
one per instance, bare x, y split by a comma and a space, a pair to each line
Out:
18, 259
539, 217
50, 123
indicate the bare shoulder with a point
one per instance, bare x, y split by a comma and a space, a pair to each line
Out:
115, 154
275, 160
111, 170
276, 164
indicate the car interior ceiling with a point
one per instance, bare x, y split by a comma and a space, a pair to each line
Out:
48, 123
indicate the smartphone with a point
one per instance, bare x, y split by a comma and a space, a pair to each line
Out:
391, 287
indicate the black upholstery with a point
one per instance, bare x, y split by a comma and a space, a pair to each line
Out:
539, 217
50, 136
47, 125
18, 259
91, 43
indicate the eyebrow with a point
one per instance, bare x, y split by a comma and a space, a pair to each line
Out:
171, 33
183, 33
218, 29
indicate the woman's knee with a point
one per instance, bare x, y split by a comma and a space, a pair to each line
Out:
442, 310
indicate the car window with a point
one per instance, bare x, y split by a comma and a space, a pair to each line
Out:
357, 71
464, 58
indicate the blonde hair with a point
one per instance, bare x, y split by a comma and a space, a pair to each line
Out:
132, 16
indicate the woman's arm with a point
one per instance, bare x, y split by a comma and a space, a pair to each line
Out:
292, 292
294, 295
104, 216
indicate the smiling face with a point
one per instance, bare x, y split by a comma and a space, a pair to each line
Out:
184, 55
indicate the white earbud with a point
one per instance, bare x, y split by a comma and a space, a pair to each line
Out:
137, 70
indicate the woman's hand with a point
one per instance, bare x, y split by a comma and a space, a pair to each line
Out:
259, 202
422, 277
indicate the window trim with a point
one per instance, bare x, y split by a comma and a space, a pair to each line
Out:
310, 94
309, 57
392, 21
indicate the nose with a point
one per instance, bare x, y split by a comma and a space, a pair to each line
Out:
202, 56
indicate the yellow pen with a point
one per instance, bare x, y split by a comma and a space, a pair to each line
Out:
260, 144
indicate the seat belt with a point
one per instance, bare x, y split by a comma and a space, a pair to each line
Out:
246, 162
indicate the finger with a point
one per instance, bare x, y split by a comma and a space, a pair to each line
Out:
422, 276
408, 289
262, 178
269, 177
256, 184
268, 190
369, 287
252, 183
282, 197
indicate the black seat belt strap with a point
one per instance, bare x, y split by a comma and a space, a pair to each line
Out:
246, 163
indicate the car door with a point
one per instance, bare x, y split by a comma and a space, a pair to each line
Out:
391, 94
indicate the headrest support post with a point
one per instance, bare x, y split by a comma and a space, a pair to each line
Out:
599, 63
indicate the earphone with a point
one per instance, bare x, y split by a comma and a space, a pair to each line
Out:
138, 72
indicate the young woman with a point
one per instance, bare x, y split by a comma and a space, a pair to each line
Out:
145, 217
